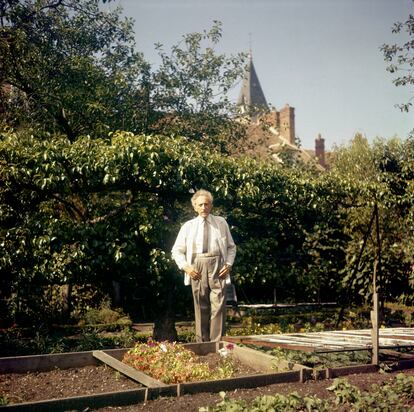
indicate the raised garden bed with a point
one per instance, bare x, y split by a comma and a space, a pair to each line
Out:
91, 382
255, 369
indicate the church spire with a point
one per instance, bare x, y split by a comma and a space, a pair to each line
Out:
251, 94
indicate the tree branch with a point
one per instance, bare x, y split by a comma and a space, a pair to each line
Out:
113, 213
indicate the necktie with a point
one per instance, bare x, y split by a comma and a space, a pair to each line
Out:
205, 236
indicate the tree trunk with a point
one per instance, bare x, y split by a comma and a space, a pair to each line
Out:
116, 294
66, 300
164, 324
164, 329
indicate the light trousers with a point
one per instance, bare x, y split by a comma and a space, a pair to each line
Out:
209, 295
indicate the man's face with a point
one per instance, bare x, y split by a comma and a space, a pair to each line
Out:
203, 206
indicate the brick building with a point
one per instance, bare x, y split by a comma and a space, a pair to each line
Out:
272, 131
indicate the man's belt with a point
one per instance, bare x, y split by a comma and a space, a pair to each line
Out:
208, 254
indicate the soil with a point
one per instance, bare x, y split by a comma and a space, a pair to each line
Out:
62, 383
240, 369
29, 387
192, 403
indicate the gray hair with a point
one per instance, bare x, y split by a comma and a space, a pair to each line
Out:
199, 193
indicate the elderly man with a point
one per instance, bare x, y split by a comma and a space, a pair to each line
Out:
205, 251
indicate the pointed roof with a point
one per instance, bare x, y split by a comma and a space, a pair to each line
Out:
251, 93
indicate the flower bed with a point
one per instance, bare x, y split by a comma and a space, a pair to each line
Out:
173, 363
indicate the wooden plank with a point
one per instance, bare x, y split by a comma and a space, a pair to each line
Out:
162, 391
387, 339
398, 331
255, 359
342, 335
264, 343
329, 341
117, 353
409, 339
290, 346
263, 361
310, 338
395, 342
43, 363
252, 381
403, 364
310, 341
101, 400
349, 370
127, 370
397, 355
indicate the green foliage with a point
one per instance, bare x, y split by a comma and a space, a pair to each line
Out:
95, 211
21, 342
376, 176
400, 57
188, 92
83, 205
277, 402
322, 360
393, 396
105, 315
71, 67
306, 319
65, 207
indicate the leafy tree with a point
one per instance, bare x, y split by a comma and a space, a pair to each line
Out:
78, 209
95, 211
377, 177
275, 214
401, 57
71, 67
188, 92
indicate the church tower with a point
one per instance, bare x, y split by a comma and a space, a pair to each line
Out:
252, 101
272, 129
251, 96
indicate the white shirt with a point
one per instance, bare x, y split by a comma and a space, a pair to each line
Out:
198, 240
189, 241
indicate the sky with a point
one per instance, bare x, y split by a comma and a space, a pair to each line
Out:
321, 57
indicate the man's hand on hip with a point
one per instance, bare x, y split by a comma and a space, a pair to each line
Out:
224, 271
192, 273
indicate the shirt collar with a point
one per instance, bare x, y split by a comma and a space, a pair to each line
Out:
200, 219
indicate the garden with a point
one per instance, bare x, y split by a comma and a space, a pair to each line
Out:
99, 155
172, 363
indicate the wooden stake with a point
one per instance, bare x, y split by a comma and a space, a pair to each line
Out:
374, 319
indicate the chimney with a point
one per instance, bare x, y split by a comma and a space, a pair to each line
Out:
320, 150
287, 123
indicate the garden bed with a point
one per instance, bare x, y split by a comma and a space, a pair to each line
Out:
78, 380
62, 383
87, 380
